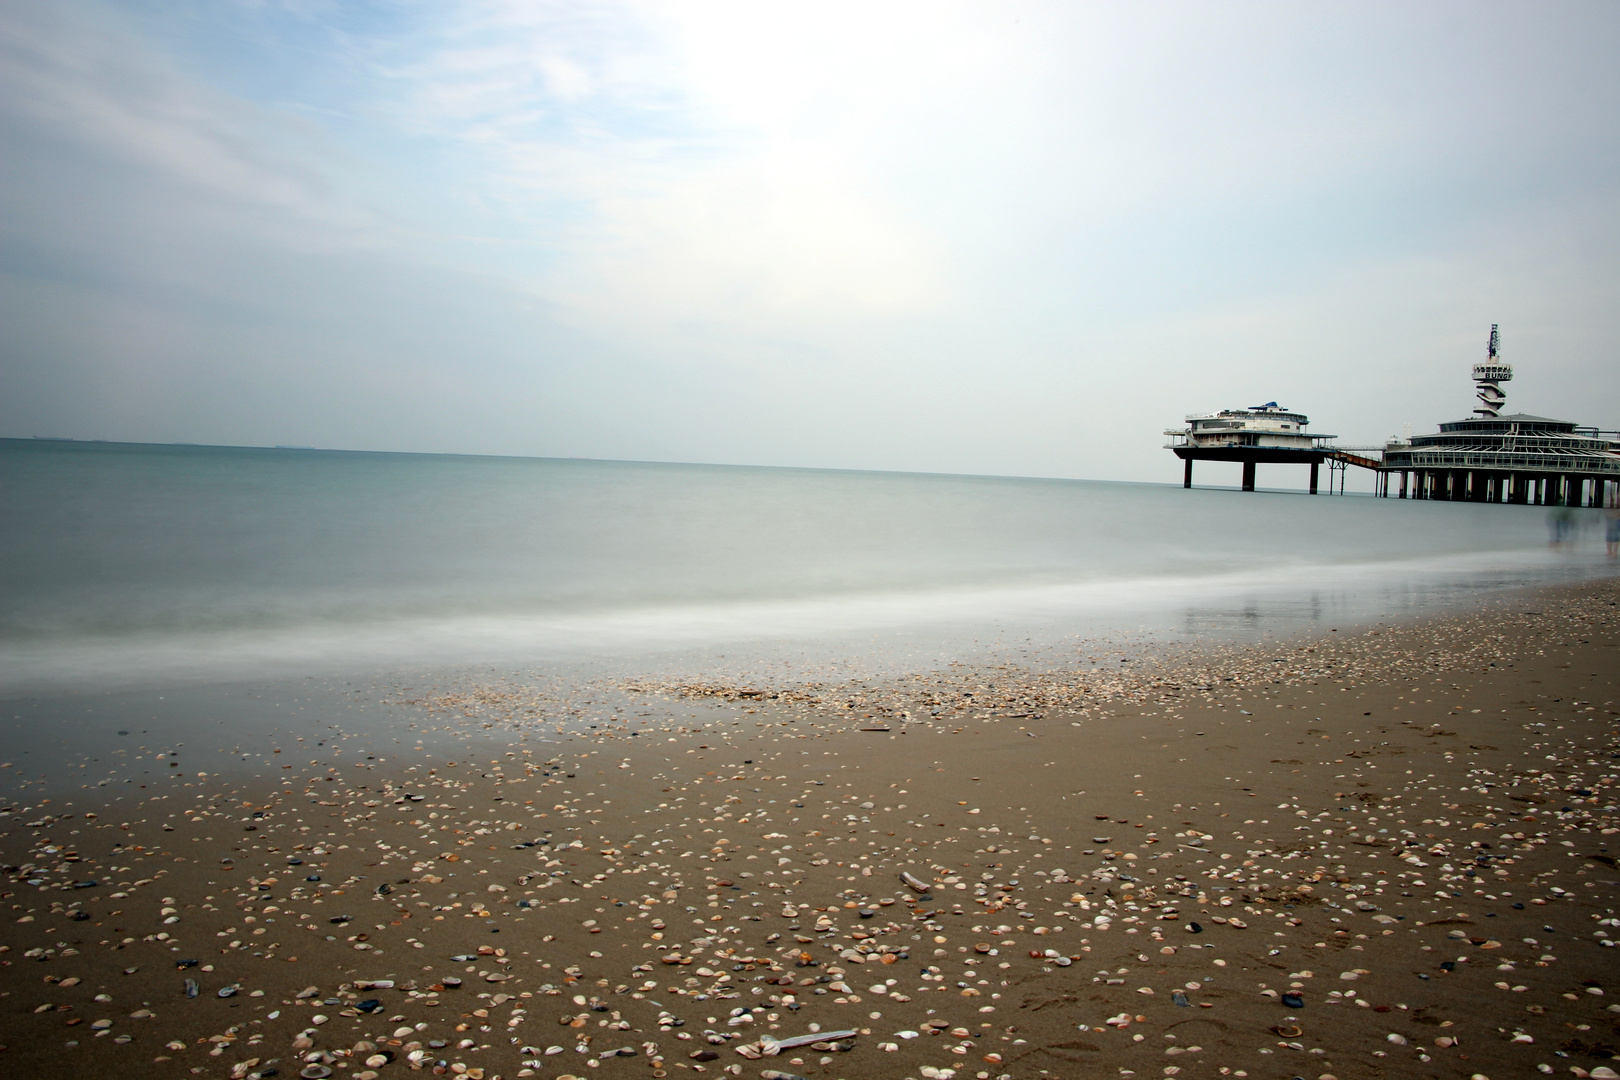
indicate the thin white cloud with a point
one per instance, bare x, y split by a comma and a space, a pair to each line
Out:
648, 219
704, 198
77, 74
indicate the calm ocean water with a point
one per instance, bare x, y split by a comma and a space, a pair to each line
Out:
136, 565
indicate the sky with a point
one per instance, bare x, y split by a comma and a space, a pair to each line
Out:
1014, 238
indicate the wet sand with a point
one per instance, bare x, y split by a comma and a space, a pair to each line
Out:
1388, 852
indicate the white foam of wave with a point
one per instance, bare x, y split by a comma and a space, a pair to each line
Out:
1344, 592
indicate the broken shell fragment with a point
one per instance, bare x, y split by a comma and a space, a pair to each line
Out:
914, 883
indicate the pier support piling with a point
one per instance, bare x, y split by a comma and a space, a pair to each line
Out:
1248, 476
1314, 468
1186, 474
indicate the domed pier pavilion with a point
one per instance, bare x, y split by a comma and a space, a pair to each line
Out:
1512, 459
1508, 459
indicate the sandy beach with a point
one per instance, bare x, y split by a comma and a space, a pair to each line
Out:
561, 540
1385, 852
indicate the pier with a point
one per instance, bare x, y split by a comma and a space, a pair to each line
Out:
1489, 457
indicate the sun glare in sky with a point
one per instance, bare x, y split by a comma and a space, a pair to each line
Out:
998, 238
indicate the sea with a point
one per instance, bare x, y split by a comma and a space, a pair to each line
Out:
162, 590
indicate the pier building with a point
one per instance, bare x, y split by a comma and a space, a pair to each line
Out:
1517, 458
1261, 433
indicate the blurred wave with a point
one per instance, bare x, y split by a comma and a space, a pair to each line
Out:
122, 563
